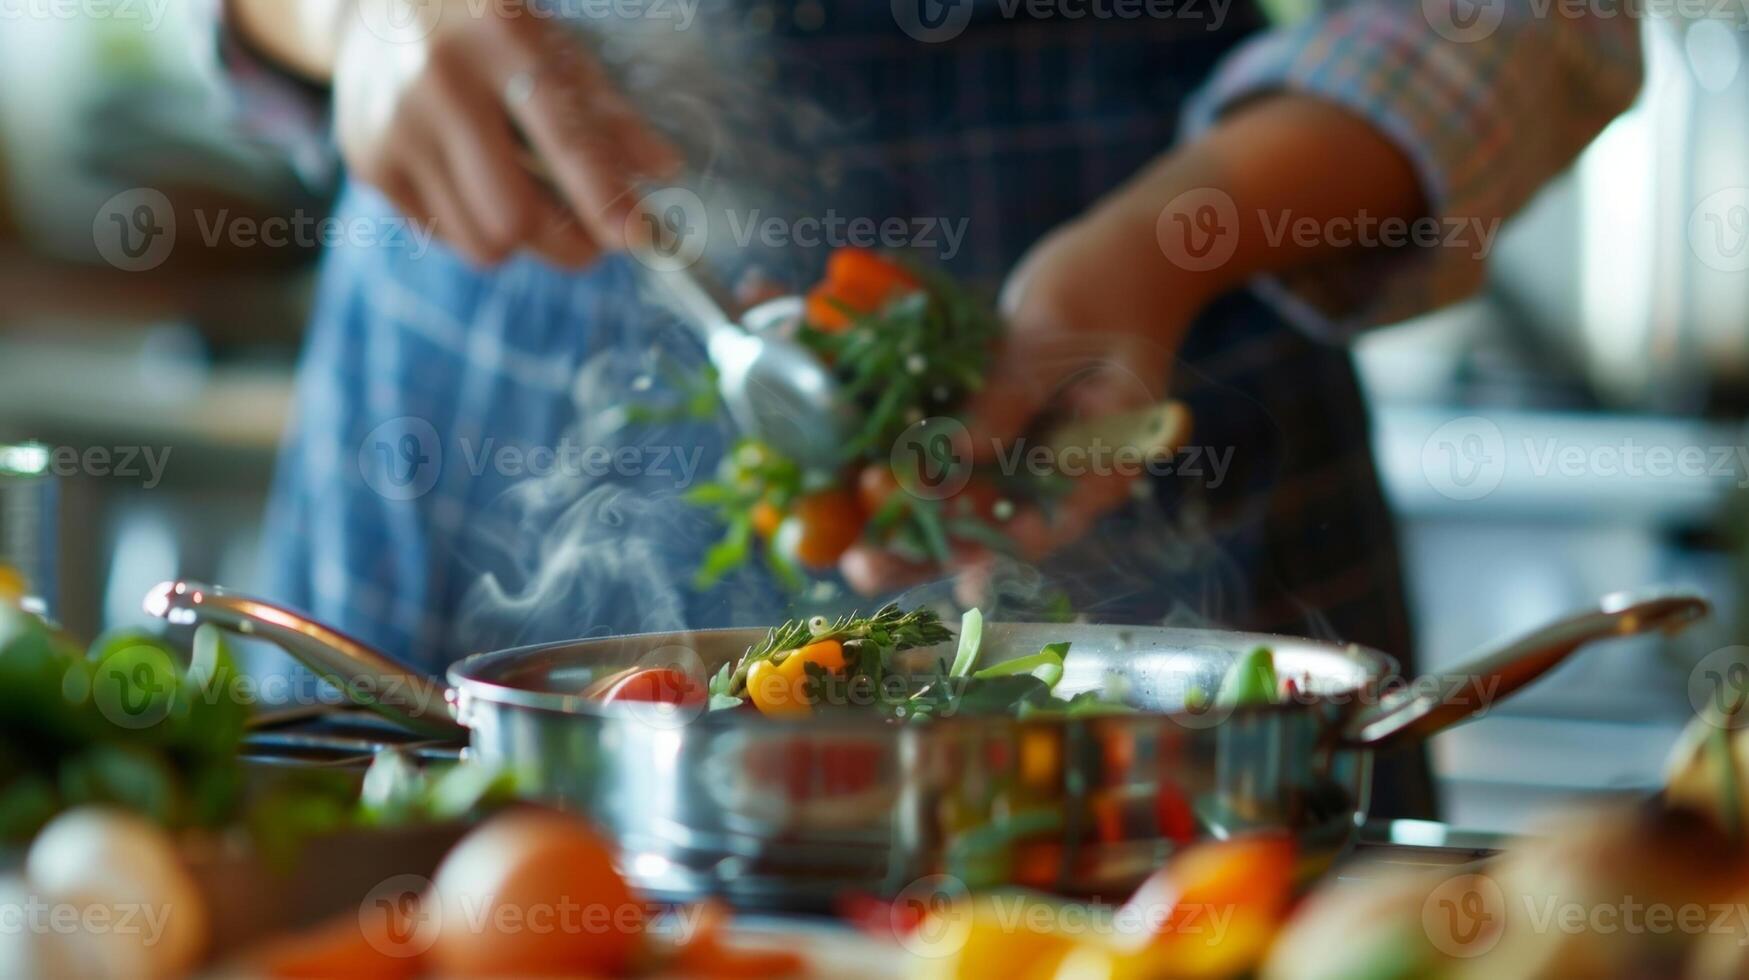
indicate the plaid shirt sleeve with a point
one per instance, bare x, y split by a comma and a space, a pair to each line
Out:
1487, 99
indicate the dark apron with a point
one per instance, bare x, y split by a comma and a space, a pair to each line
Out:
1001, 126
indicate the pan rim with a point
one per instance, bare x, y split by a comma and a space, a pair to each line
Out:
472, 684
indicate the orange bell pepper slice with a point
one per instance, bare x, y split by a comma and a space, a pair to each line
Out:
780, 690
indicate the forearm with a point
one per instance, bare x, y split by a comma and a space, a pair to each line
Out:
301, 35
1285, 161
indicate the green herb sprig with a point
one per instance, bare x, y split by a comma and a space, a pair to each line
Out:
889, 630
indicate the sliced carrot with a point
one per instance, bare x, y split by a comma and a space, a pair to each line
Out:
860, 272
857, 280
823, 311
368, 945
704, 953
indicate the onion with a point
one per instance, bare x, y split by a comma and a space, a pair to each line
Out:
137, 910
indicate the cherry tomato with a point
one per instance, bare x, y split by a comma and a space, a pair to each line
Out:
825, 525
875, 485
977, 499
663, 685
1177, 820
874, 916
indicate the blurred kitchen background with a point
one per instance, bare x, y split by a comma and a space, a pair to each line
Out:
1618, 316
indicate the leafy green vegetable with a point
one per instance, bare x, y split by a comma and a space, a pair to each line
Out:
750, 474
889, 630
971, 637
1023, 686
982, 857
126, 722
1001, 695
919, 355
1250, 680
1046, 665
399, 791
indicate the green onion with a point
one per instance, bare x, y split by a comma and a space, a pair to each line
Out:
971, 637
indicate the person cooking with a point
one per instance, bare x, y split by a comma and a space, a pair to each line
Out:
1175, 198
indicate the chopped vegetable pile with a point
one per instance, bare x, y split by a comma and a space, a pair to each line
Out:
907, 345
124, 723
854, 661
134, 723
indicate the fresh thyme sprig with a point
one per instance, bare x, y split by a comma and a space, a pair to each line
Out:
918, 356
889, 629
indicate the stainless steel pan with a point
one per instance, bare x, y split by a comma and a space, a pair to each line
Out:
790, 813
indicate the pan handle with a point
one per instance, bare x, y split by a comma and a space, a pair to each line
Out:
367, 676
1438, 701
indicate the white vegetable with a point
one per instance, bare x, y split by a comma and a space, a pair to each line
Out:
31, 943
137, 910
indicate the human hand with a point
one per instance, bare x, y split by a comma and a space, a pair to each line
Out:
436, 115
1095, 314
